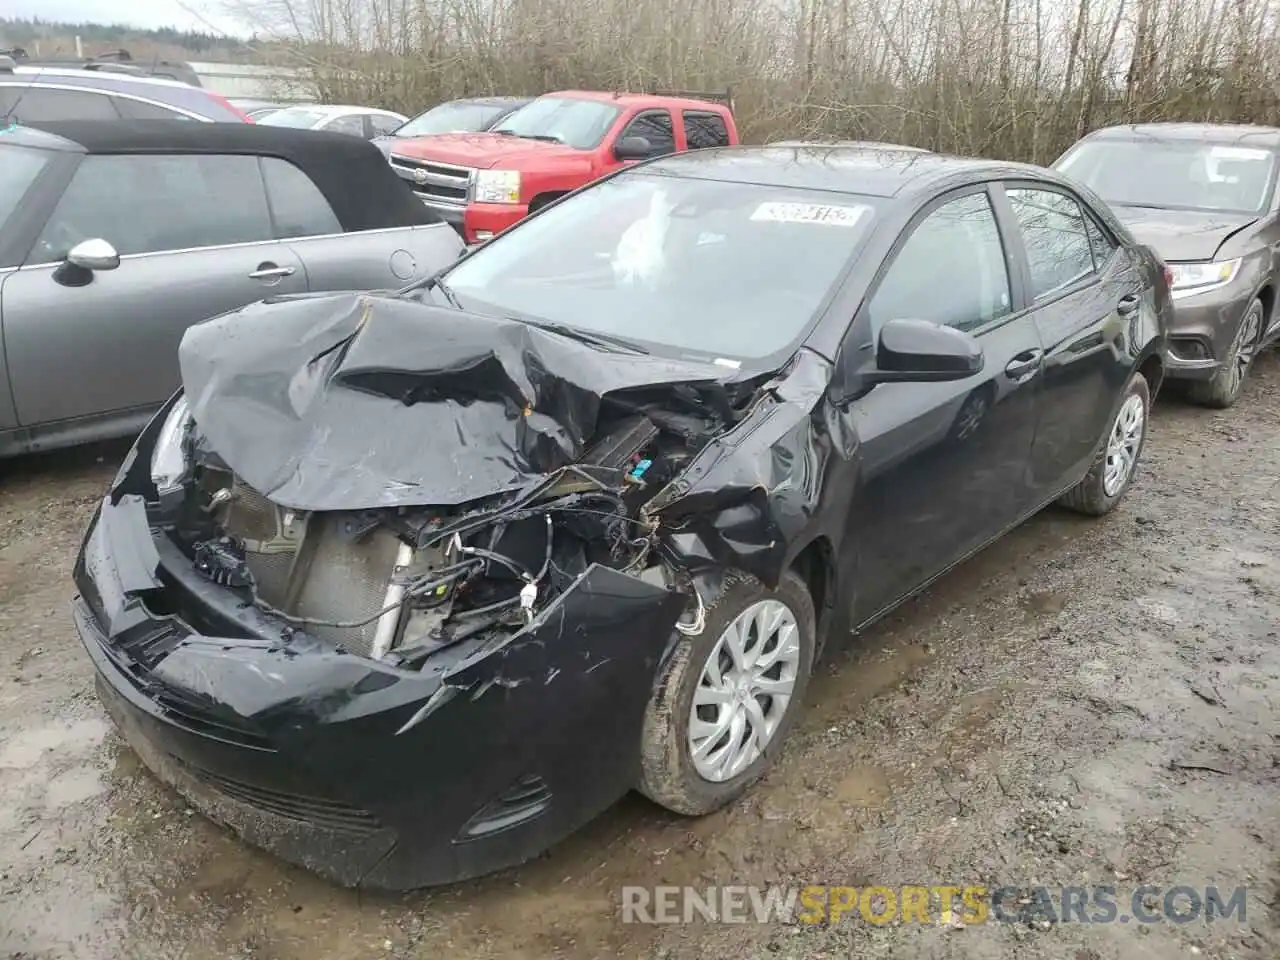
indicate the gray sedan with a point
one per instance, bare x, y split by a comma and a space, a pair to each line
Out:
116, 237
1204, 197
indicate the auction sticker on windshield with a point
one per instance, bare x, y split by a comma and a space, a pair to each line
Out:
837, 216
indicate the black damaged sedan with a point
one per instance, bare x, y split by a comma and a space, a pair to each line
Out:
406, 587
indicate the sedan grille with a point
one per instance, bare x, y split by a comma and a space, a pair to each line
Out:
439, 184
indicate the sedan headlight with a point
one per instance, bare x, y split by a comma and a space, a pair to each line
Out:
1193, 278
169, 458
497, 186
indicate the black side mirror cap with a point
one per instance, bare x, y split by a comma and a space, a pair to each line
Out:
920, 350
909, 351
633, 148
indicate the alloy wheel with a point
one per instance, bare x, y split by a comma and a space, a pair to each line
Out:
744, 690
1245, 347
1123, 444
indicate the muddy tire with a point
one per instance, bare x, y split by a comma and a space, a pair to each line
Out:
776, 648
1224, 389
1116, 463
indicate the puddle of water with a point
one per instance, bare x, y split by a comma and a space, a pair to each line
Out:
863, 787
26, 747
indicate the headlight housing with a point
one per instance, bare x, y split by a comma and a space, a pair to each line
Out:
497, 186
169, 456
1194, 278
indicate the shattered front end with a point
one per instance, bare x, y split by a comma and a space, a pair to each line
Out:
394, 612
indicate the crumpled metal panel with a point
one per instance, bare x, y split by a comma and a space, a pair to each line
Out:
354, 400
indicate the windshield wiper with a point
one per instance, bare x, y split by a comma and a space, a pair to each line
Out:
545, 137
606, 341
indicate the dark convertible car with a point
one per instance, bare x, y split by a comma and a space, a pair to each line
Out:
406, 587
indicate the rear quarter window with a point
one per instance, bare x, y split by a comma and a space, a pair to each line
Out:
19, 168
298, 207
141, 110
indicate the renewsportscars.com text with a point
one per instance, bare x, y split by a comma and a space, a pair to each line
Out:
941, 904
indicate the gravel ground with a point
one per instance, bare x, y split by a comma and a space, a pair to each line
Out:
1086, 702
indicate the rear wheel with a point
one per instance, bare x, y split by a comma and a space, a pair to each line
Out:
1117, 460
1224, 389
728, 697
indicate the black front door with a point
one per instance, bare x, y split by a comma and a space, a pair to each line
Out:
944, 465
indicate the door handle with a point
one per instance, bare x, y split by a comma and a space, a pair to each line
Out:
269, 271
1128, 305
1024, 364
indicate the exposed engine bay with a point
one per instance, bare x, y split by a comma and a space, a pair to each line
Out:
395, 478
402, 583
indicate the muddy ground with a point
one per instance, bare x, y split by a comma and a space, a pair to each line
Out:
1084, 703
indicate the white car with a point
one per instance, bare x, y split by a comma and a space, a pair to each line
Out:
365, 122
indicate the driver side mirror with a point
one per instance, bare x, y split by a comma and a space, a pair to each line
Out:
633, 148
95, 254
911, 351
83, 260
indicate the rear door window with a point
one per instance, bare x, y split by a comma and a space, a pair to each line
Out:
48, 103
1059, 250
352, 123
381, 125
153, 203
297, 205
702, 130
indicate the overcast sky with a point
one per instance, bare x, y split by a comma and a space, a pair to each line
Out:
183, 14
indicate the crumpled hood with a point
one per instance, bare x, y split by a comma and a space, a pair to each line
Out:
1181, 234
481, 150
354, 400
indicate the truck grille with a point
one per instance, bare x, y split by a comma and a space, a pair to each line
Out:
439, 184
309, 565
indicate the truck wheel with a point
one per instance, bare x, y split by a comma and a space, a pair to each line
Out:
1224, 389
1117, 459
727, 698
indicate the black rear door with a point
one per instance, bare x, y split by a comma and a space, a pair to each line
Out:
1085, 290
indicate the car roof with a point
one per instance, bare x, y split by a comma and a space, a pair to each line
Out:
874, 171
1252, 134
335, 109
93, 77
495, 101
333, 161
637, 99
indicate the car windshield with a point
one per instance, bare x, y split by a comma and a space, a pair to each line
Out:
459, 117
724, 270
19, 167
575, 123
1174, 174
293, 117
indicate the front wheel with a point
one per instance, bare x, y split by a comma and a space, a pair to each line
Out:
1224, 389
728, 697
1117, 460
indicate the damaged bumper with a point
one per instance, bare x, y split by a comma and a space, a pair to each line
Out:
367, 773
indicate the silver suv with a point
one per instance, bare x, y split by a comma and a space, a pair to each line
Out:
47, 93
116, 237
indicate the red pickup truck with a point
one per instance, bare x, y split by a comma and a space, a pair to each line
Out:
483, 183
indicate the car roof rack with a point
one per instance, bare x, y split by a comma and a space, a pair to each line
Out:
112, 61
725, 97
